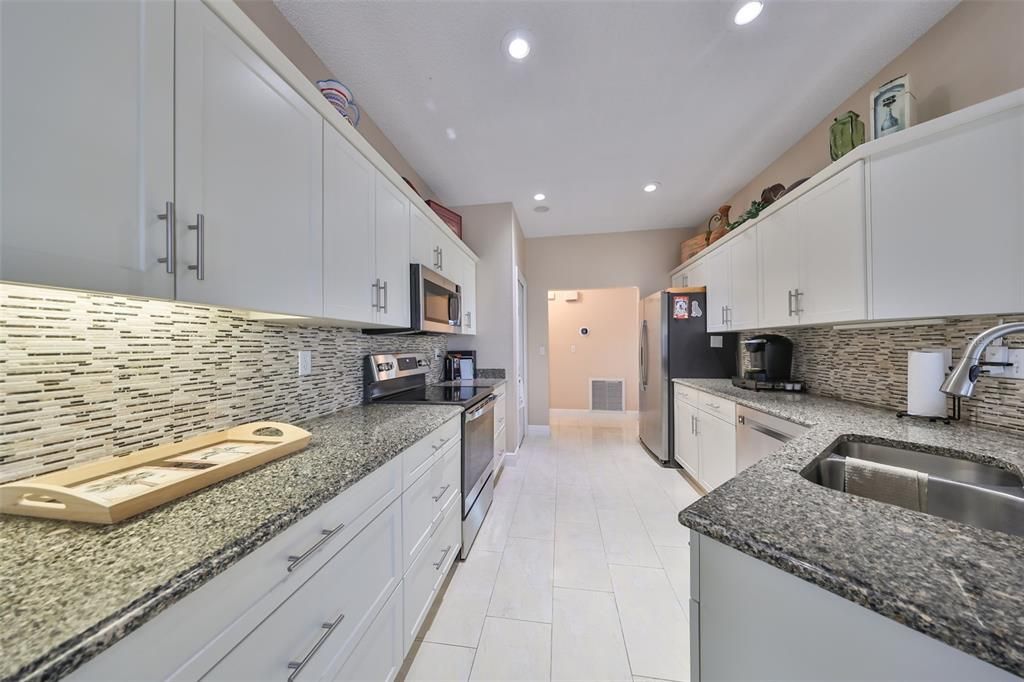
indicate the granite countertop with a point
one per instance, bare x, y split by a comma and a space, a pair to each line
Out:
957, 583
70, 590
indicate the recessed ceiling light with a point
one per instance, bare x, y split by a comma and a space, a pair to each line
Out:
450, 133
651, 186
748, 12
539, 197
517, 45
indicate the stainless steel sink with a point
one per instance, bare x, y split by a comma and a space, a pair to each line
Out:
977, 494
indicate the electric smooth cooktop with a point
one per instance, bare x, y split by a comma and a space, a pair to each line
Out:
465, 396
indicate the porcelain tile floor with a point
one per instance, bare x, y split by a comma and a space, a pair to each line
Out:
580, 572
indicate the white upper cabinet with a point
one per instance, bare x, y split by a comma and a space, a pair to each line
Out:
744, 300
719, 286
947, 222
392, 257
248, 175
778, 269
87, 144
812, 258
350, 267
466, 279
432, 247
833, 258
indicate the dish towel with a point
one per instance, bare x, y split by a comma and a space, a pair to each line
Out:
885, 483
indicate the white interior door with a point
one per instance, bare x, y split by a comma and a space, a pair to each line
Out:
778, 269
392, 218
521, 350
833, 265
249, 160
87, 144
349, 261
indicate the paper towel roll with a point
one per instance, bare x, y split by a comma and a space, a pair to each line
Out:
926, 370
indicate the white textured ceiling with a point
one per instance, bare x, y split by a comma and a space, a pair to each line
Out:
614, 94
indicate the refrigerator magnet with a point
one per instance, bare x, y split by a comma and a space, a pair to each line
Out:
681, 307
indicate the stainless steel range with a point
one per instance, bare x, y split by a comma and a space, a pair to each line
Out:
402, 378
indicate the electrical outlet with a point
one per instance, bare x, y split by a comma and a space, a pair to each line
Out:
437, 353
305, 363
996, 354
572, 348
1016, 356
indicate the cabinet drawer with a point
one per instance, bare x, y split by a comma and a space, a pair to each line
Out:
423, 502
499, 415
430, 568
196, 631
720, 407
687, 395
380, 652
499, 390
325, 618
419, 457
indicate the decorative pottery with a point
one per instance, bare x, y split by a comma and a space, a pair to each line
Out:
845, 133
771, 194
892, 107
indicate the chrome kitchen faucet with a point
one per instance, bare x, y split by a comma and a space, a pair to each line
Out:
963, 377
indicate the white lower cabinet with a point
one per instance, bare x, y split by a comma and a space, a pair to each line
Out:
717, 450
424, 501
428, 571
324, 618
687, 442
379, 655
704, 436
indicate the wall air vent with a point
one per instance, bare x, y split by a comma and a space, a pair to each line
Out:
608, 395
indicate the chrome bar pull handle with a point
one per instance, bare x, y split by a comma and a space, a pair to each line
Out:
444, 555
789, 301
384, 294
168, 217
327, 534
797, 307
375, 294
297, 666
200, 229
438, 497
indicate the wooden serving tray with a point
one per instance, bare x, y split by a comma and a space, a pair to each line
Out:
115, 488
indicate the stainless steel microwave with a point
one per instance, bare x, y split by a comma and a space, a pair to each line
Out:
436, 305
436, 302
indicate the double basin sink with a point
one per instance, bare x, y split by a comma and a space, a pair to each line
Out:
981, 495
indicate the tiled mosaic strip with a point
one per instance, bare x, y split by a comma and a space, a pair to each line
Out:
870, 365
89, 375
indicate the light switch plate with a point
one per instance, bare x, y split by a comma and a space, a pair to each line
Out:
305, 363
997, 354
1016, 356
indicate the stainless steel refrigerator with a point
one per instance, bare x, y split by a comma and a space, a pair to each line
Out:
675, 344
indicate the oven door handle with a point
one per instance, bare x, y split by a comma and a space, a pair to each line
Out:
486, 406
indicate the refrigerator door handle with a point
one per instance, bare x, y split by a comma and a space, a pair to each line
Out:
643, 355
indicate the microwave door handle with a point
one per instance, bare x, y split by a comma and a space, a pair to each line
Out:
454, 310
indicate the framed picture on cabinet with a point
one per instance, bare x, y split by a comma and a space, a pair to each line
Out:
892, 107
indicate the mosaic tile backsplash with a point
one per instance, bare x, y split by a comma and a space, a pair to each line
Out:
89, 375
870, 365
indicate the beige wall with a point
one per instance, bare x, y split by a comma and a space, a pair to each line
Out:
973, 54
270, 20
597, 261
609, 351
491, 230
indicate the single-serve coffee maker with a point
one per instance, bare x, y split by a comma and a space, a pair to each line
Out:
460, 365
770, 364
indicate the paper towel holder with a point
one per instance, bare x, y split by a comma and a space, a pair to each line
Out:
947, 420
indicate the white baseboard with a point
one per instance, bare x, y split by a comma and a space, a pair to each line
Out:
562, 416
538, 430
